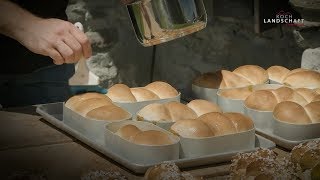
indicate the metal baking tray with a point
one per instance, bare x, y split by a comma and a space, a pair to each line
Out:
53, 113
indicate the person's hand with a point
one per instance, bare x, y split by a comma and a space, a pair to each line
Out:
58, 39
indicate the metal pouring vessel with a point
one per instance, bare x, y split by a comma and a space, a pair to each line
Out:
158, 21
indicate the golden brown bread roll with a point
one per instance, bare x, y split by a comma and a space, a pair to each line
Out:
318, 90
241, 122
288, 94
201, 107
263, 100
154, 112
210, 80
162, 89
127, 132
306, 154
121, 93
291, 112
236, 93
218, 123
179, 111
142, 94
191, 129
152, 137
254, 74
108, 112
83, 107
313, 110
277, 73
317, 98
296, 71
78, 98
308, 94
233, 80
309, 79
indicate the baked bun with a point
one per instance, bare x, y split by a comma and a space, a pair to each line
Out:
242, 76
308, 94
261, 164
121, 93
255, 74
277, 73
236, 93
288, 94
241, 122
201, 107
152, 138
191, 129
303, 78
127, 132
218, 123
167, 171
96, 106
108, 112
77, 98
291, 112
318, 90
162, 89
142, 94
306, 155
313, 110
154, 112
263, 100
212, 124
180, 111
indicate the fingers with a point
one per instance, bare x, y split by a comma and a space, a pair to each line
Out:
83, 40
65, 51
75, 47
55, 55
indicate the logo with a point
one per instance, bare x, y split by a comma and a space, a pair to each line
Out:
283, 17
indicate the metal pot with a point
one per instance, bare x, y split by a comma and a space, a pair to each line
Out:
158, 21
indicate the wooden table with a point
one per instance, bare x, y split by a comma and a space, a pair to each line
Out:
30, 145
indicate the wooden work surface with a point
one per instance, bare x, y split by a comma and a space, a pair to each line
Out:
29, 145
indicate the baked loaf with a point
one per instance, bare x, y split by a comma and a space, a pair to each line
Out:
303, 78
266, 100
261, 164
294, 113
307, 156
150, 137
236, 93
96, 106
242, 76
154, 91
277, 73
168, 171
212, 124
173, 111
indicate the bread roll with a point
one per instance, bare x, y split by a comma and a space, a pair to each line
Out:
317, 98
233, 80
288, 94
306, 154
218, 123
291, 112
154, 112
108, 112
201, 107
180, 111
313, 110
121, 93
296, 71
318, 90
254, 74
191, 129
77, 98
241, 122
164, 171
209, 80
308, 94
127, 132
263, 100
236, 93
303, 79
277, 73
152, 137
162, 89
142, 94
83, 107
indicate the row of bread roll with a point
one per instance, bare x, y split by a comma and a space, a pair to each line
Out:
262, 164
173, 111
96, 106
266, 100
242, 76
295, 78
153, 91
168, 171
150, 137
212, 124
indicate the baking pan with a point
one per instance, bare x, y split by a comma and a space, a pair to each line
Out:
91, 128
208, 94
261, 119
53, 114
195, 147
133, 108
142, 154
